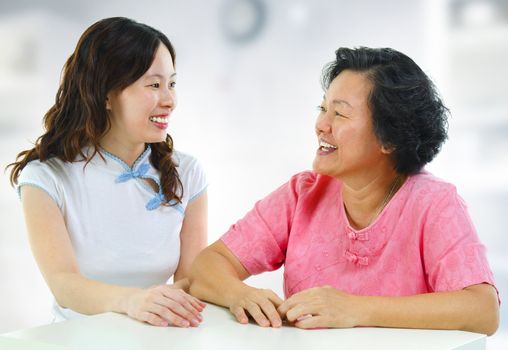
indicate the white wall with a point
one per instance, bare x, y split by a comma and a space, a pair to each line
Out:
247, 110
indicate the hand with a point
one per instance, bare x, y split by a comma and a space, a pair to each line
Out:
321, 307
164, 305
261, 304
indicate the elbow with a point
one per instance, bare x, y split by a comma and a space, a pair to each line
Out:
491, 326
486, 318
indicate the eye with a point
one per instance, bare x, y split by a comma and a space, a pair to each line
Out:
172, 85
155, 85
337, 114
321, 109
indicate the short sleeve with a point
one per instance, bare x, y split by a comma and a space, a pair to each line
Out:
260, 239
197, 182
454, 257
41, 175
192, 176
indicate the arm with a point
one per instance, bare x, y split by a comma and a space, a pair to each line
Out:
54, 254
473, 309
217, 276
193, 238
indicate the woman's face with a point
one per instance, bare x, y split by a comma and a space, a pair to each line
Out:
140, 113
347, 143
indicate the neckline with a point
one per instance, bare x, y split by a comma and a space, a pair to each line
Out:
389, 204
141, 158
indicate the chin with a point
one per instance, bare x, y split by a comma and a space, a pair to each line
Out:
156, 139
318, 168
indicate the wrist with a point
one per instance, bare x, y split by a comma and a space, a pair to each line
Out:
123, 300
181, 284
366, 306
236, 292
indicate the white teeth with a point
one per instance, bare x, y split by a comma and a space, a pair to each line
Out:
163, 120
326, 144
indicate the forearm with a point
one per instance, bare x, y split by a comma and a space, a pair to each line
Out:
474, 310
213, 279
87, 296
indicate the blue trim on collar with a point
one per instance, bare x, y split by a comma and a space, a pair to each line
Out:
122, 163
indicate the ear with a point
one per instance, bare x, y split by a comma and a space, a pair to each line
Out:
387, 149
108, 104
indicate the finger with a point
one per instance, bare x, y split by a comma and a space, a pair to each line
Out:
191, 299
292, 301
195, 302
298, 311
152, 319
239, 314
274, 298
271, 312
173, 318
255, 311
310, 322
184, 300
183, 312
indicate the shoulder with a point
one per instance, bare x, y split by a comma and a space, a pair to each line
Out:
309, 182
433, 196
426, 184
191, 173
52, 166
184, 161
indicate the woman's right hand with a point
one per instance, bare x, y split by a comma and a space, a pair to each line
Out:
261, 304
163, 305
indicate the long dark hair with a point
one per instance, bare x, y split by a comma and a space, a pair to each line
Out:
110, 55
407, 112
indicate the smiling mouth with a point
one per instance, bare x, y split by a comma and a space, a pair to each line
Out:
325, 147
160, 120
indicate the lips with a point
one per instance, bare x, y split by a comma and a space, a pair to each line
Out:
160, 121
326, 147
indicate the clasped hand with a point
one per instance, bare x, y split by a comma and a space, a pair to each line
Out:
165, 305
311, 308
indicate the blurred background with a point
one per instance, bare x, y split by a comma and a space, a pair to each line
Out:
248, 85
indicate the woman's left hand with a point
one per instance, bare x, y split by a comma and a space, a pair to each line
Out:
322, 307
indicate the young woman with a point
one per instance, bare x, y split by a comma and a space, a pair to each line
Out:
369, 238
112, 210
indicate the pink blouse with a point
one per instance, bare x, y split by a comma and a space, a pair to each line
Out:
423, 240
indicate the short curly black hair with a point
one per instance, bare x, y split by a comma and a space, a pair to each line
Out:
407, 113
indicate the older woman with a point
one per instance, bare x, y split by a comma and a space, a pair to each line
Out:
368, 238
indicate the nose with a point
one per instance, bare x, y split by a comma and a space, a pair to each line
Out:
323, 123
168, 98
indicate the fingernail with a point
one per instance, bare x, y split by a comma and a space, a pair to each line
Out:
184, 324
195, 322
304, 317
199, 317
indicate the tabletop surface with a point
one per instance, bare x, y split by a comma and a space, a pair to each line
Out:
219, 330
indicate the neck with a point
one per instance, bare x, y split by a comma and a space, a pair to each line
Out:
365, 198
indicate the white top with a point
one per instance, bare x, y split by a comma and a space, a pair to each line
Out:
220, 331
119, 231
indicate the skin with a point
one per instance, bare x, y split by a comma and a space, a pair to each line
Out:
162, 305
364, 166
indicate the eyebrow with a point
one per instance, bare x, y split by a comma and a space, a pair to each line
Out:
160, 76
339, 102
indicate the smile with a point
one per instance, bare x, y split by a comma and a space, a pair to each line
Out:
325, 147
160, 120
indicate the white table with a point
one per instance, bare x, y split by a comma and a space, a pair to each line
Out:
220, 331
